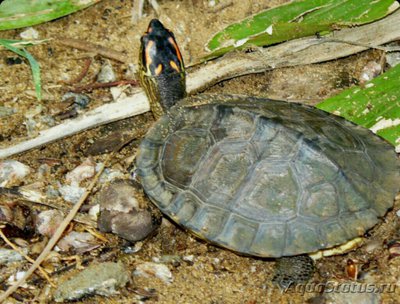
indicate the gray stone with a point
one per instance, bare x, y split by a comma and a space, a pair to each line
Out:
100, 279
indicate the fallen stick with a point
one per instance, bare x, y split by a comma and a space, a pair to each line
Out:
124, 108
93, 48
296, 52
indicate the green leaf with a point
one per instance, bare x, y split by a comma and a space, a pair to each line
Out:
33, 63
297, 19
22, 13
376, 106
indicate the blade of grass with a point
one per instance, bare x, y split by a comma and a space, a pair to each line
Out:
20, 43
21, 13
32, 62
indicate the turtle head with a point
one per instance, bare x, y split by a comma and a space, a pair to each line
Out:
161, 68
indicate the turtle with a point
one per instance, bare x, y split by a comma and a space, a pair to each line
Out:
261, 177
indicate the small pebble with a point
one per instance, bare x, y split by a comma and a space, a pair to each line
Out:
14, 278
10, 255
106, 73
6, 213
212, 3
29, 34
48, 221
79, 241
118, 93
94, 212
71, 194
133, 249
188, 258
109, 175
12, 172
98, 279
150, 269
81, 100
87, 169
393, 58
371, 70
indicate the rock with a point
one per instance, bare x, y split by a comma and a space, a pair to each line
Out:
110, 174
48, 221
81, 100
100, 279
125, 211
79, 241
85, 170
14, 278
106, 73
12, 172
371, 70
393, 58
72, 193
29, 34
150, 269
10, 255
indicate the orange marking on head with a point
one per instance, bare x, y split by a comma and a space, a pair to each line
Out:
178, 53
147, 54
174, 66
159, 69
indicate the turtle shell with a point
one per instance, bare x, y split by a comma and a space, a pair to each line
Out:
267, 178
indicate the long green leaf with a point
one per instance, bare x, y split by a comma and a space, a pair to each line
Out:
22, 13
298, 19
33, 63
376, 106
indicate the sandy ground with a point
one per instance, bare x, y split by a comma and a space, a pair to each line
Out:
214, 275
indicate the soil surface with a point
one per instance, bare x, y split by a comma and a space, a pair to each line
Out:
202, 273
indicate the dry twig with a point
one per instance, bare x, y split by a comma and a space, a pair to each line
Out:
93, 48
99, 85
